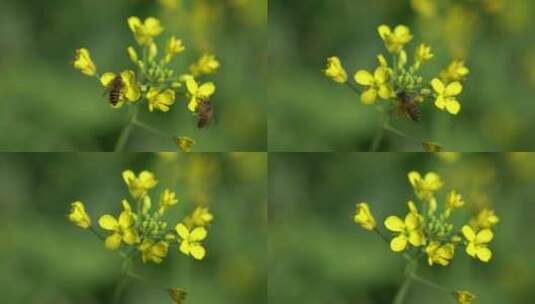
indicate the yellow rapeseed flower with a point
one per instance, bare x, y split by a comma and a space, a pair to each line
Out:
140, 185
160, 100
439, 254
446, 95
205, 65
83, 62
485, 219
423, 53
122, 229
377, 84
198, 92
172, 47
200, 217
456, 71
409, 231
394, 40
364, 217
477, 243
335, 70
425, 187
454, 200
153, 251
146, 31
167, 199
78, 215
464, 297
184, 143
190, 241
131, 91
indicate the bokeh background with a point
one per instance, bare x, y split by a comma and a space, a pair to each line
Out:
309, 112
47, 105
318, 255
47, 259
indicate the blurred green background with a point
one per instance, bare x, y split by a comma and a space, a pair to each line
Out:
308, 112
47, 259
47, 105
318, 255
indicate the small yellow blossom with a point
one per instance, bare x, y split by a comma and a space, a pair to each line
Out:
446, 95
426, 8
146, 31
198, 92
184, 143
409, 231
335, 70
364, 217
456, 71
131, 91
477, 243
377, 84
425, 187
190, 241
132, 54
485, 219
464, 297
83, 62
167, 199
394, 40
439, 254
200, 217
122, 229
454, 200
423, 53
207, 64
140, 185
160, 100
153, 251
172, 47
78, 215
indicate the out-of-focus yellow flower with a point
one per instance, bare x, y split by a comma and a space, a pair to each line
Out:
190, 241
122, 229
423, 53
456, 71
153, 251
377, 85
200, 217
454, 200
449, 156
83, 62
364, 217
172, 47
169, 4
130, 92
439, 254
334, 70
146, 31
78, 215
198, 92
207, 64
140, 185
425, 187
167, 199
409, 231
160, 100
394, 40
464, 297
132, 54
446, 95
485, 219
184, 143
425, 8
477, 243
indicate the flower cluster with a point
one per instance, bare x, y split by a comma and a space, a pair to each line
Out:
143, 229
391, 81
154, 81
427, 228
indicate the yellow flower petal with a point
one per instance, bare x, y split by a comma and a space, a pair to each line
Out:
484, 254
113, 241
471, 249
384, 30
412, 221
398, 243
453, 89
468, 233
108, 222
130, 236
197, 251
206, 90
394, 223
125, 219
484, 236
364, 77
198, 234
107, 78
192, 85
414, 177
182, 231
438, 86
453, 106
185, 247
369, 96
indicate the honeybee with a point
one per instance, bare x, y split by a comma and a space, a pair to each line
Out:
115, 88
205, 113
407, 105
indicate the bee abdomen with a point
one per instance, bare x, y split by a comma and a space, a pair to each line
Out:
114, 97
414, 112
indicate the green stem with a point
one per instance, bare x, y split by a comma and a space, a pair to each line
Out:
125, 133
406, 256
410, 270
353, 87
142, 125
431, 284
119, 288
385, 119
389, 128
